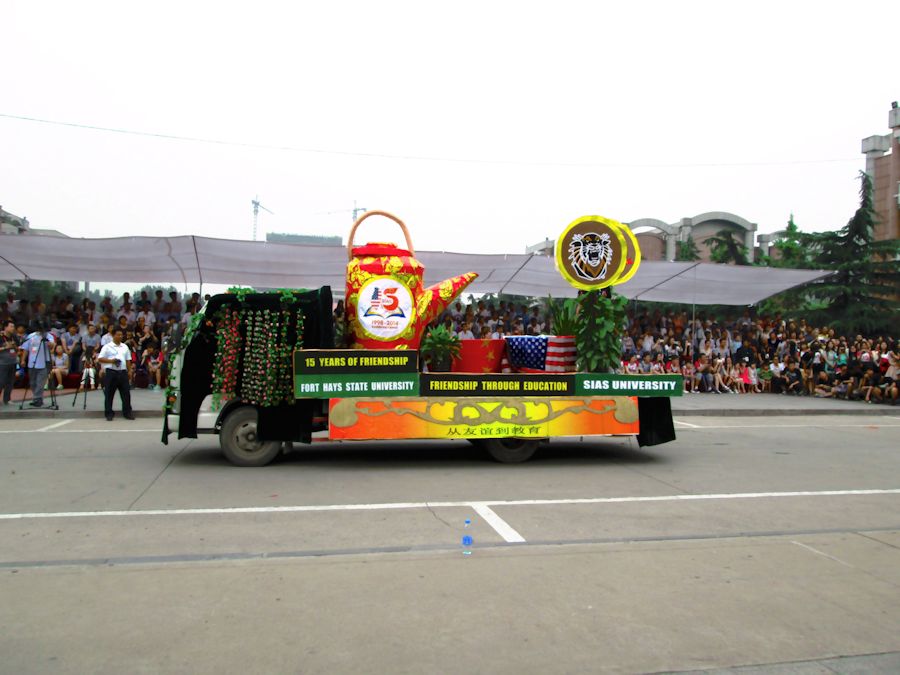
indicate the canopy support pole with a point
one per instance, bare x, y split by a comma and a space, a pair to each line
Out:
10, 263
694, 316
514, 275
197, 258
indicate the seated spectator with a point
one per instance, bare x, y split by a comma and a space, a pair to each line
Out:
844, 383
687, 371
764, 376
673, 367
869, 388
777, 369
59, 366
748, 377
147, 315
793, 379
153, 361
703, 377
633, 367
735, 379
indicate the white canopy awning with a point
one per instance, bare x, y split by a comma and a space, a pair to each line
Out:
203, 260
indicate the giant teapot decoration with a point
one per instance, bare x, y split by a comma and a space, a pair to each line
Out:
387, 305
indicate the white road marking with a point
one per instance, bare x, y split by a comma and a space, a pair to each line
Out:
500, 526
424, 505
688, 424
55, 426
822, 553
80, 431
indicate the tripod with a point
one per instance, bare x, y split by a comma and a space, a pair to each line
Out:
88, 380
42, 348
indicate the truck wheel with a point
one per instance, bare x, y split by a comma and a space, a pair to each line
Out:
509, 450
240, 443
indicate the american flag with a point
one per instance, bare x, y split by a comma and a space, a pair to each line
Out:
555, 354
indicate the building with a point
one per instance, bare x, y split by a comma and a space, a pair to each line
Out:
883, 166
659, 240
13, 224
307, 239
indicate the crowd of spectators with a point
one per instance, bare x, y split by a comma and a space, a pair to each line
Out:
79, 329
744, 355
738, 355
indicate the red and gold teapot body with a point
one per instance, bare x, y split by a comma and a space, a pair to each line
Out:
387, 305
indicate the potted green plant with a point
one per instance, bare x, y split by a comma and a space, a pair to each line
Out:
563, 316
439, 347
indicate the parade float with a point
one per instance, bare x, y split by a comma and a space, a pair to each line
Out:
264, 371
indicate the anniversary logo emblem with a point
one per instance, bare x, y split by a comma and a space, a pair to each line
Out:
385, 307
596, 252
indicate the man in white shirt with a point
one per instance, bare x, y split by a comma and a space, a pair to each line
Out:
147, 315
116, 357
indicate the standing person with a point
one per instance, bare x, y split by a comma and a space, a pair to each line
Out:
116, 356
9, 357
71, 343
36, 357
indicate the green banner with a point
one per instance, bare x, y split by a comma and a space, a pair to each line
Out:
378, 361
596, 384
350, 385
513, 384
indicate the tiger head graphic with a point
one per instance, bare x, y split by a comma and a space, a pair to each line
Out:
590, 255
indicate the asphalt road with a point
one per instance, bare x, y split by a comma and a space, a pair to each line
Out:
768, 541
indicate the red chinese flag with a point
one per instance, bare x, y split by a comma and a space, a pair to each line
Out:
478, 356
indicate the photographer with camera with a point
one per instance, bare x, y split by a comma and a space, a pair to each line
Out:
116, 356
36, 357
9, 358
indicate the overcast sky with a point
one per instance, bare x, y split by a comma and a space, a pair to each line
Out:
529, 114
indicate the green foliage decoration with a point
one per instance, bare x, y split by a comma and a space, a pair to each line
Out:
598, 340
563, 315
439, 347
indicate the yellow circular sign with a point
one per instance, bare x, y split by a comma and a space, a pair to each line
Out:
633, 259
592, 252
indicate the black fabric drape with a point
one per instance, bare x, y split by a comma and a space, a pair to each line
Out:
657, 426
286, 422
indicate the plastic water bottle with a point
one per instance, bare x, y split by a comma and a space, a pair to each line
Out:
467, 538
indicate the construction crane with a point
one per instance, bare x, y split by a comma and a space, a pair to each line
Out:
355, 211
256, 207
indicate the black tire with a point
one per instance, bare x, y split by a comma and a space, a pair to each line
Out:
509, 450
239, 442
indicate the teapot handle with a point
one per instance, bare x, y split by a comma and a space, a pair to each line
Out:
359, 220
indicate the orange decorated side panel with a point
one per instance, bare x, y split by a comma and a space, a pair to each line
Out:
480, 417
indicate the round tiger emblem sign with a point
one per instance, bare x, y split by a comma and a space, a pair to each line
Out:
595, 252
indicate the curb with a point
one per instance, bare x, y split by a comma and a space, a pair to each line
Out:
874, 410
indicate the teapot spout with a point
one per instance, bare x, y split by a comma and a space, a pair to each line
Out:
441, 295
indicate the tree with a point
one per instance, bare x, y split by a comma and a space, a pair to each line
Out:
793, 247
687, 251
724, 248
861, 295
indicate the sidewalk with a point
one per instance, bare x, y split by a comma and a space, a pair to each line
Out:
147, 403
144, 403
